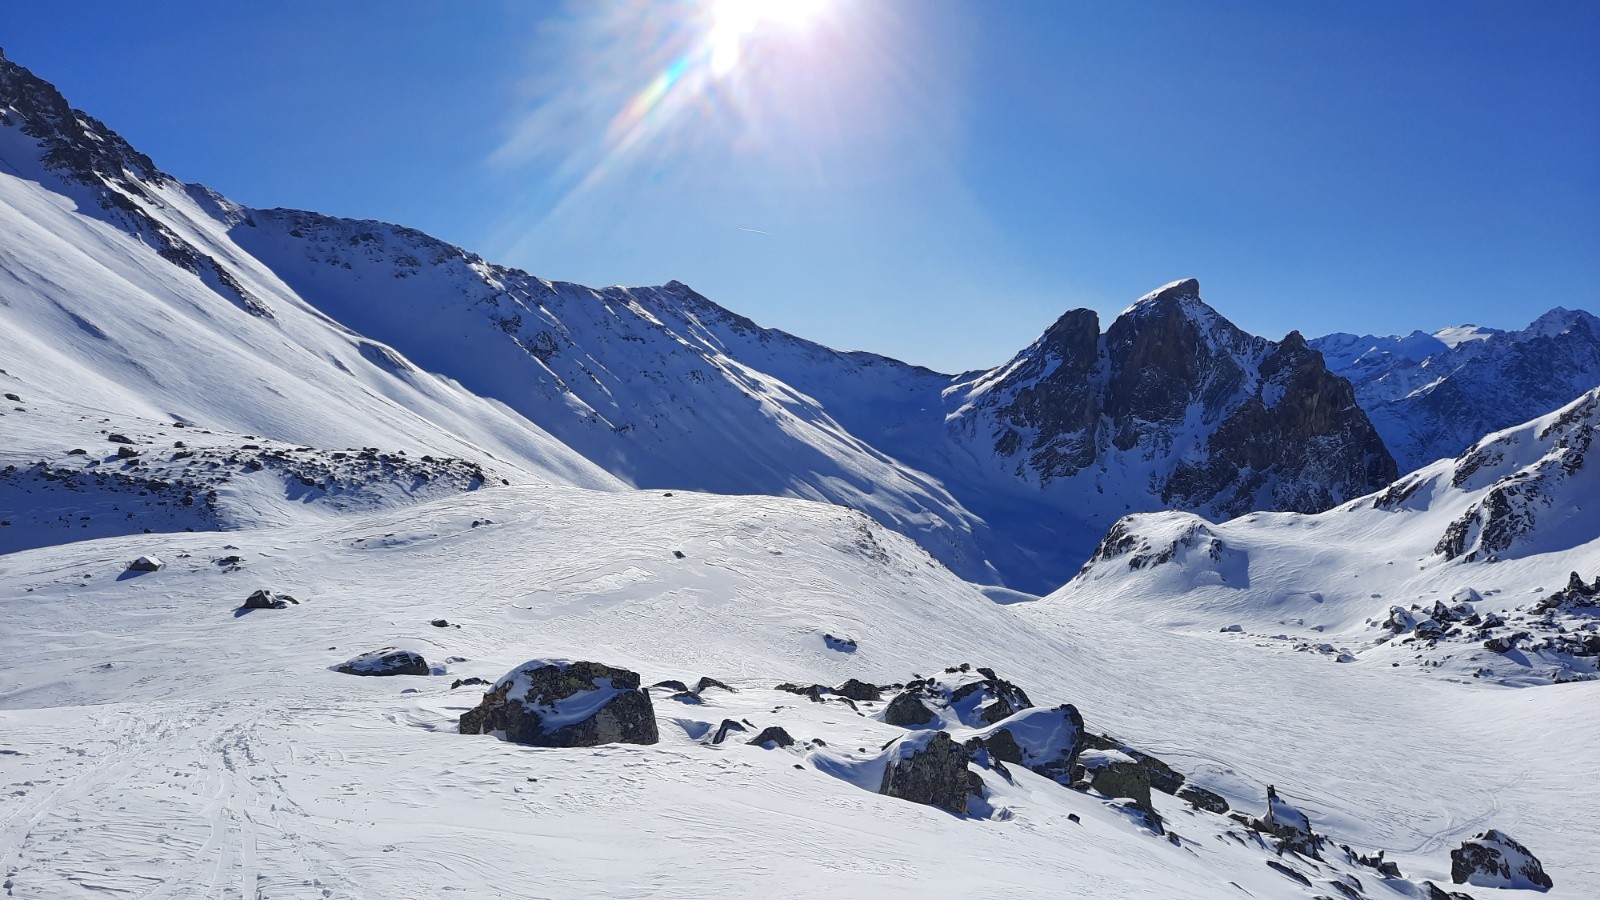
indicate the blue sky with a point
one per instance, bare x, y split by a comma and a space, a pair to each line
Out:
932, 179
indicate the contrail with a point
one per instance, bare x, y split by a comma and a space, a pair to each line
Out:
753, 230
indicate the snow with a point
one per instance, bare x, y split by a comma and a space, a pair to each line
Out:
154, 742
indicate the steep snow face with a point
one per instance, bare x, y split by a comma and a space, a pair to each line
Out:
121, 296
638, 380
1432, 396
1493, 529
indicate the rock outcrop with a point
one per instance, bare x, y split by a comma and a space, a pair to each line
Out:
1493, 859
556, 703
1046, 741
1225, 422
962, 696
931, 769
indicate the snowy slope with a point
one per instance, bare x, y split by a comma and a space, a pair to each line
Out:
1430, 396
420, 446
97, 320
158, 742
635, 379
1497, 528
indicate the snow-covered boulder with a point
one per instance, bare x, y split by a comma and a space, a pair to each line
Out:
558, 703
1046, 741
930, 768
387, 661
1291, 825
265, 599
146, 564
1493, 859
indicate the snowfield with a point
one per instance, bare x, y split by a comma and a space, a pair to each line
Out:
160, 743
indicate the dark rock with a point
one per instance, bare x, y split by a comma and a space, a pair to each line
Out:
814, 691
906, 711
14, 398
146, 564
1115, 774
126, 453
1202, 799
677, 554
387, 661
689, 697
562, 704
440, 623
265, 599
859, 690
1162, 777
929, 769
708, 682
77, 451
774, 735
727, 726
841, 644
119, 439
672, 684
466, 682
1434, 892
1493, 859
1288, 872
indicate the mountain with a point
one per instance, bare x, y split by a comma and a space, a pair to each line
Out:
286, 500
1502, 528
1430, 396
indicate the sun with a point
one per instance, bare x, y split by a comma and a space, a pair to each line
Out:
733, 22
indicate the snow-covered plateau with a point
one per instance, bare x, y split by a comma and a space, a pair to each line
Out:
337, 562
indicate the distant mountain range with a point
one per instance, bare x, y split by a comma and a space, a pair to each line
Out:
302, 327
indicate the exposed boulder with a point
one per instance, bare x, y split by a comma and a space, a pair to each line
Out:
1493, 859
1434, 892
931, 769
1202, 799
859, 690
265, 599
841, 644
1161, 776
387, 661
1116, 774
672, 684
146, 564
771, 736
557, 703
728, 726
708, 682
906, 711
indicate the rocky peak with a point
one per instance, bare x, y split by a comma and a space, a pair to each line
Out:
75, 143
1225, 421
